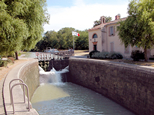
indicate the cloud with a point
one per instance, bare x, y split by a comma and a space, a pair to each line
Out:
82, 16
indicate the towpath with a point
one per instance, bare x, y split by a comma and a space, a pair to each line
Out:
3, 73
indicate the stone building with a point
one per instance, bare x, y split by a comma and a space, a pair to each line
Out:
104, 37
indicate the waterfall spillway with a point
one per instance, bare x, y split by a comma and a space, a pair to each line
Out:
52, 76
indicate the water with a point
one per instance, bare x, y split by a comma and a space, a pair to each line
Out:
71, 99
57, 98
52, 76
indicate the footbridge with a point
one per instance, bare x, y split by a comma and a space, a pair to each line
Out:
58, 60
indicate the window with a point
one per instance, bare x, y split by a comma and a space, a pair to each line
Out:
111, 31
95, 36
112, 46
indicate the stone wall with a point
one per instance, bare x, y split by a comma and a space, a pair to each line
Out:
129, 85
29, 73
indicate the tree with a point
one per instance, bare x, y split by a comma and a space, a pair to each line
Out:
138, 28
98, 22
63, 39
21, 24
81, 42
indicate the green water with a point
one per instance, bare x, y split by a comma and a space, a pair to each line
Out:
72, 99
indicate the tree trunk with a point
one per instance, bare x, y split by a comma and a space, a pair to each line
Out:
145, 54
16, 54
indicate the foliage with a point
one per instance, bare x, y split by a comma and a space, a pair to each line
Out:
63, 39
98, 22
138, 28
81, 42
137, 55
3, 63
21, 24
92, 53
107, 55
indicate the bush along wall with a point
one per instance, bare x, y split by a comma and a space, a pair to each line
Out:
137, 55
106, 55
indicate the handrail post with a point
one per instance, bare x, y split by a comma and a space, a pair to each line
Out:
10, 89
12, 95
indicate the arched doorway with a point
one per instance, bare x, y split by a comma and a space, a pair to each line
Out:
95, 42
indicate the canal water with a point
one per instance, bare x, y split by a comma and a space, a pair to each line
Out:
58, 98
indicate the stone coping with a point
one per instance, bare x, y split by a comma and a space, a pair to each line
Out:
20, 106
121, 64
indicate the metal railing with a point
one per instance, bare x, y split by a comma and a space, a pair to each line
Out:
11, 94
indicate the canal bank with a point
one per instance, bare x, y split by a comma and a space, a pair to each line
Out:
15, 73
3, 73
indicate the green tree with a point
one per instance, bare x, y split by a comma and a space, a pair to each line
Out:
98, 22
21, 24
65, 38
81, 42
138, 28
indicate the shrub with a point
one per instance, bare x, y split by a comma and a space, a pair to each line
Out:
10, 59
107, 55
3, 63
137, 55
92, 53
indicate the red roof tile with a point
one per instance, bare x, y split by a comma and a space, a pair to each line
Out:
105, 24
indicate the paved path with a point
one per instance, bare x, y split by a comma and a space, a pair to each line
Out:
3, 73
1, 99
12, 71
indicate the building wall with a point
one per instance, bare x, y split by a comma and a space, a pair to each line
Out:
130, 86
118, 45
99, 40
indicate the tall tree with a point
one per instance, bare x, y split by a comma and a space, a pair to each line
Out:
138, 28
21, 24
65, 38
81, 42
98, 22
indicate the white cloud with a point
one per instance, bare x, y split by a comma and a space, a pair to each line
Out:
82, 16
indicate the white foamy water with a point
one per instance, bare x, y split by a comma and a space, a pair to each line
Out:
52, 76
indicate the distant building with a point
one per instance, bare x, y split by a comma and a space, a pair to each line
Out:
104, 37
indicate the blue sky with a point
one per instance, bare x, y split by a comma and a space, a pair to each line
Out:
81, 14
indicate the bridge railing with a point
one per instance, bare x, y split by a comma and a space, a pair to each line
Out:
58, 55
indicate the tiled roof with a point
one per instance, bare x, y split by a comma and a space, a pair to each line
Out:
96, 27
105, 24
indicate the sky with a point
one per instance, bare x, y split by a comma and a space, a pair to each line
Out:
81, 14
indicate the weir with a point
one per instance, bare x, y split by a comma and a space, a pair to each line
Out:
48, 61
53, 76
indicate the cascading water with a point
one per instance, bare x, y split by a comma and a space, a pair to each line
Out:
52, 76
